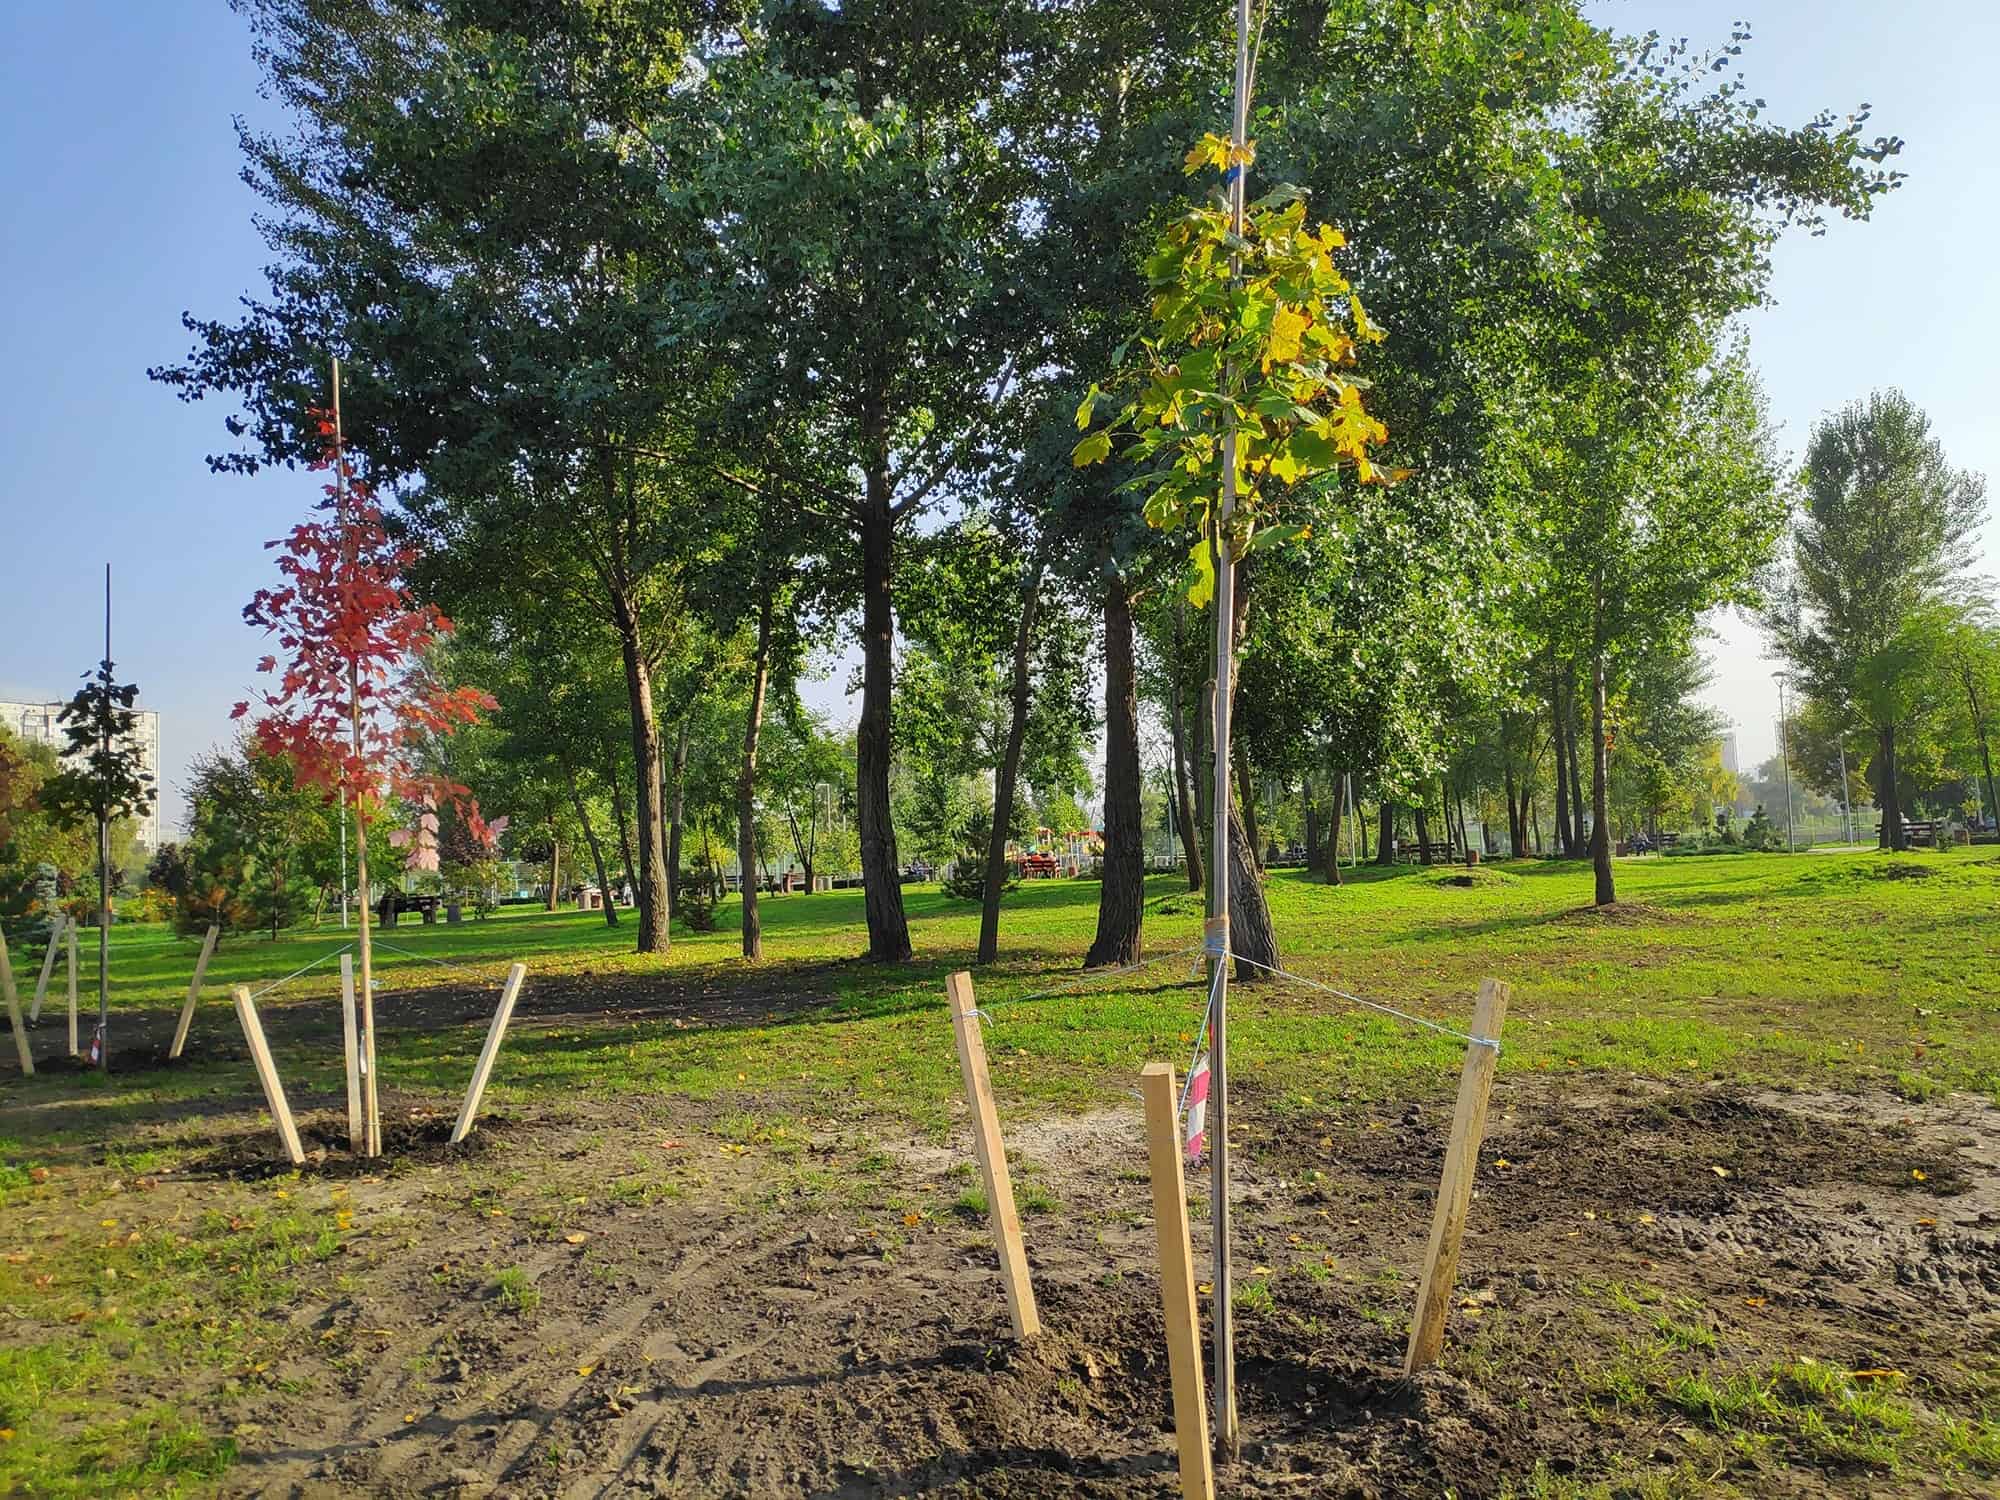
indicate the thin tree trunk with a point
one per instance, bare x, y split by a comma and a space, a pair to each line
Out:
1251, 934
1361, 828
746, 781
1556, 743
1006, 776
1385, 842
590, 840
1573, 730
1600, 784
888, 928
1121, 898
679, 806
618, 811
1184, 804
1314, 854
1336, 817
1246, 799
1204, 777
655, 894
1424, 828
1514, 839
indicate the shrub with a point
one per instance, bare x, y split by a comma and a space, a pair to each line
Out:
696, 899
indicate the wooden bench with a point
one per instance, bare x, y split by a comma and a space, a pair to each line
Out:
1917, 831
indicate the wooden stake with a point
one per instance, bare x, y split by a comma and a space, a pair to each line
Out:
484, 1070
1461, 1162
267, 1074
14, 1011
48, 968
72, 987
194, 990
992, 1153
1170, 1222
351, 1040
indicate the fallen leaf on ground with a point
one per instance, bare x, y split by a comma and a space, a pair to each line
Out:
1720, 1171
575, 1239
585, 1370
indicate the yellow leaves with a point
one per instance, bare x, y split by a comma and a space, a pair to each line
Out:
585, 1370
1214, 150
577, 1237
1500, 1161
1755, 1301
1876, 1375
1363, 329
1917, 1175
1330, 238
1288, 327
912, 1220
1720, 1171
1093, 449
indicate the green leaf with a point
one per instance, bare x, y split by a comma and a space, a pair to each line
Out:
1083, 410
1275, 536
1093, 449
1202, 589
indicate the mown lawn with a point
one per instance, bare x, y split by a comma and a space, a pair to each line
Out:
1840, 970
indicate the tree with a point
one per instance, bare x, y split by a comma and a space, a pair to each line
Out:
354, 692
103, 779
255, 830
1877, 552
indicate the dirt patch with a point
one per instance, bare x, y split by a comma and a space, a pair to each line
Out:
1625, 914
420, 1139
603, 1304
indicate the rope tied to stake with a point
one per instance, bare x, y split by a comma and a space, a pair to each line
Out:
259, 994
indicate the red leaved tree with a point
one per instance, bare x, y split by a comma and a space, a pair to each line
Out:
355, 693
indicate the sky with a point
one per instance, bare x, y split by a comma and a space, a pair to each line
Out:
119, 165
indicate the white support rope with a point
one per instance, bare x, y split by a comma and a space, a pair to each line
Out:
1387, 1010
1093, 976
259, 994
423, 957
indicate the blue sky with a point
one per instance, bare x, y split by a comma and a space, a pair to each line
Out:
120, 165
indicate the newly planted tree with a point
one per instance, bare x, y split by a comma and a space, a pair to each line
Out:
354, 694
104, 778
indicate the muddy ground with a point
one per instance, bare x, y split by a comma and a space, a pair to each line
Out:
727, 1302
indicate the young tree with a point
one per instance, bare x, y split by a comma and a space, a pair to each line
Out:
1878, 550
103, 778
354, 693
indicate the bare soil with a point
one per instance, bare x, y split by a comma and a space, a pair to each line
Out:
817, 1318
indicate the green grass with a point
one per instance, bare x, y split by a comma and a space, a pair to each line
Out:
1805, 970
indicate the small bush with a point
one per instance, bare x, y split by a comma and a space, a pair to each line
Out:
696, 900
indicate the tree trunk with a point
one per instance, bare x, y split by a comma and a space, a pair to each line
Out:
1246, 798
746, 781
1892, 836
1006, 776
1184, 803
1385, 841
1204, 777
1514, 829
1573, 731
679, 805
888, 928
1251, 934
619, 811
1424, 830
1361, 828
1600, 785
1315, 855
1121, 898
654, 894
590, 840
1336, 816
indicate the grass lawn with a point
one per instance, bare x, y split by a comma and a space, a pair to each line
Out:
1849, 974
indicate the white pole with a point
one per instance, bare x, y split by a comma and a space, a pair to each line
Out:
1218, 884
1846, 811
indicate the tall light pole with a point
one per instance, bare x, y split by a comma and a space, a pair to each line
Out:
1785, 759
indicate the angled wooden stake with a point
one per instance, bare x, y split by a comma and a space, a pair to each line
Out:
992, 1153
484, 1069
350, 1039
1461, 1163
194, 990
72, 987
1170, 1223
21, 1048
267, 1074
48, 968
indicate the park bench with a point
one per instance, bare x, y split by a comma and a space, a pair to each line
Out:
1038, 866
1917, 831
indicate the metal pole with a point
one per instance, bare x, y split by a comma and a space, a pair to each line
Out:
104, 861
1218, 884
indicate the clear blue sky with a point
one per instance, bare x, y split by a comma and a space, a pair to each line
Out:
120, 166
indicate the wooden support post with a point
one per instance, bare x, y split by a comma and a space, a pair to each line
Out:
72, 987
351, 1041
48, 968
1461, 1163
484, 1070
267, 1074
992, 1153
21, 1047
1170, 1222
194, 990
